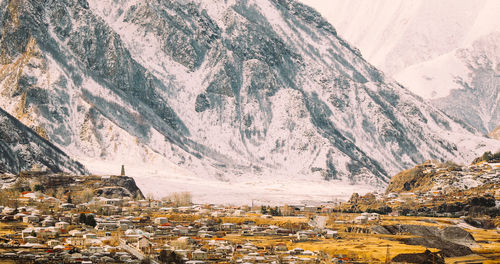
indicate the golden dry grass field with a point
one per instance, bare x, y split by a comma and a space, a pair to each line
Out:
372, 247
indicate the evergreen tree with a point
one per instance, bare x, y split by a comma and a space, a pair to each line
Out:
90, 221
123, 171
82, 219
277, 211
170, 257
271, 211
263, 209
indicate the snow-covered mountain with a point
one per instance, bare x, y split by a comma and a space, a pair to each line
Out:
23, 149
217, 89
445, 51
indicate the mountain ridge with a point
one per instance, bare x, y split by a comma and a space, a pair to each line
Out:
237, 88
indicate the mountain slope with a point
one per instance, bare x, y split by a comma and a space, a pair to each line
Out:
495, 133
446, 51
467, 81
220, 88
21, 149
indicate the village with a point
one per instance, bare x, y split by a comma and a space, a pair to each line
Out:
106, 219
137, 231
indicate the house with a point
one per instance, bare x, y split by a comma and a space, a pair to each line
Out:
145, 245
62, 225
75, 233
46, 233
51, 201
281, 247
76, 241
31, 219
49, 221
297, 251
160, 220
228, 226
90, 236
94, 250
246, 232
156, 204
331, 233
124, 224
110, 226
199, 255
302, 235
67, 206
239, 213
28, 232
52, 243
249, 222
8, 210
65, 219
394, 213
310, 209
30, 239
112, 202
362, 219
374, 217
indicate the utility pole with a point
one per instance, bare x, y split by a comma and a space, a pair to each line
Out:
388, 255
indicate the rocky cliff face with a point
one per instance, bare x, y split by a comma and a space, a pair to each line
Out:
221, 88
22, 149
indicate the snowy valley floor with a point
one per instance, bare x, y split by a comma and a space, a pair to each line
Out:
161, 181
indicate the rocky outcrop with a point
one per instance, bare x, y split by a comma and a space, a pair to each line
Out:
448, 176
452, 241
121, 186
103, 186
410, 180
427, 257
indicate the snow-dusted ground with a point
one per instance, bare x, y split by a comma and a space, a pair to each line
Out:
160, 179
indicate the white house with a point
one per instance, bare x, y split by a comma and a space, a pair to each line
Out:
31, 219
161, 220
145, 245
199, 255
228, 226
52, 243
62, 225
90, 236
362, 219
